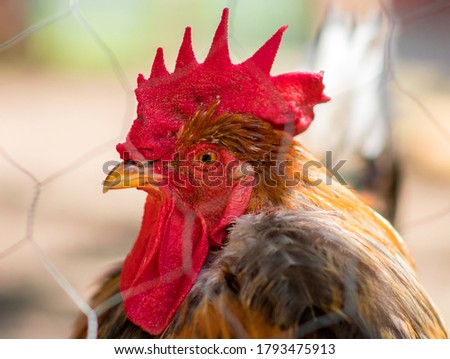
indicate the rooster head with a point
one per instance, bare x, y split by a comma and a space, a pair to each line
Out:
198, 148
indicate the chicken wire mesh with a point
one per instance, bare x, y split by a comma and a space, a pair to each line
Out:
68, 70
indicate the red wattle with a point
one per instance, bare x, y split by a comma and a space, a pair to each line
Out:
161, 268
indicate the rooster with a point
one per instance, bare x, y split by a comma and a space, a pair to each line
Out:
244, 233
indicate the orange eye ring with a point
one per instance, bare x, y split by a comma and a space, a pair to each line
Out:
206, 158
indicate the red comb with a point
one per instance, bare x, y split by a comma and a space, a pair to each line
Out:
167, 100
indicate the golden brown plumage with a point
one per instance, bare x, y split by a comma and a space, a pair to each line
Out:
244, 233
308, 259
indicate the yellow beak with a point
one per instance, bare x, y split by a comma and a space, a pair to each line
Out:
131, 175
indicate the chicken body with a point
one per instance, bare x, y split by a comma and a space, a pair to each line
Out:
306, 259
244, 233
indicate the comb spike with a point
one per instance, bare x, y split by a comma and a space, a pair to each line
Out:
265, 55
186, 54
219, 52
140, 79
159, 67
167, 101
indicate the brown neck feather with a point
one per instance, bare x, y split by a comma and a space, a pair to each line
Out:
288, 176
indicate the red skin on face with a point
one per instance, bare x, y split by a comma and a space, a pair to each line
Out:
180, 224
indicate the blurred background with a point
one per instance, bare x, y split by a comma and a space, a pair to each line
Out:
67, 74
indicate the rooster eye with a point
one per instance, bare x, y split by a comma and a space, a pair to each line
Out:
207, 158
